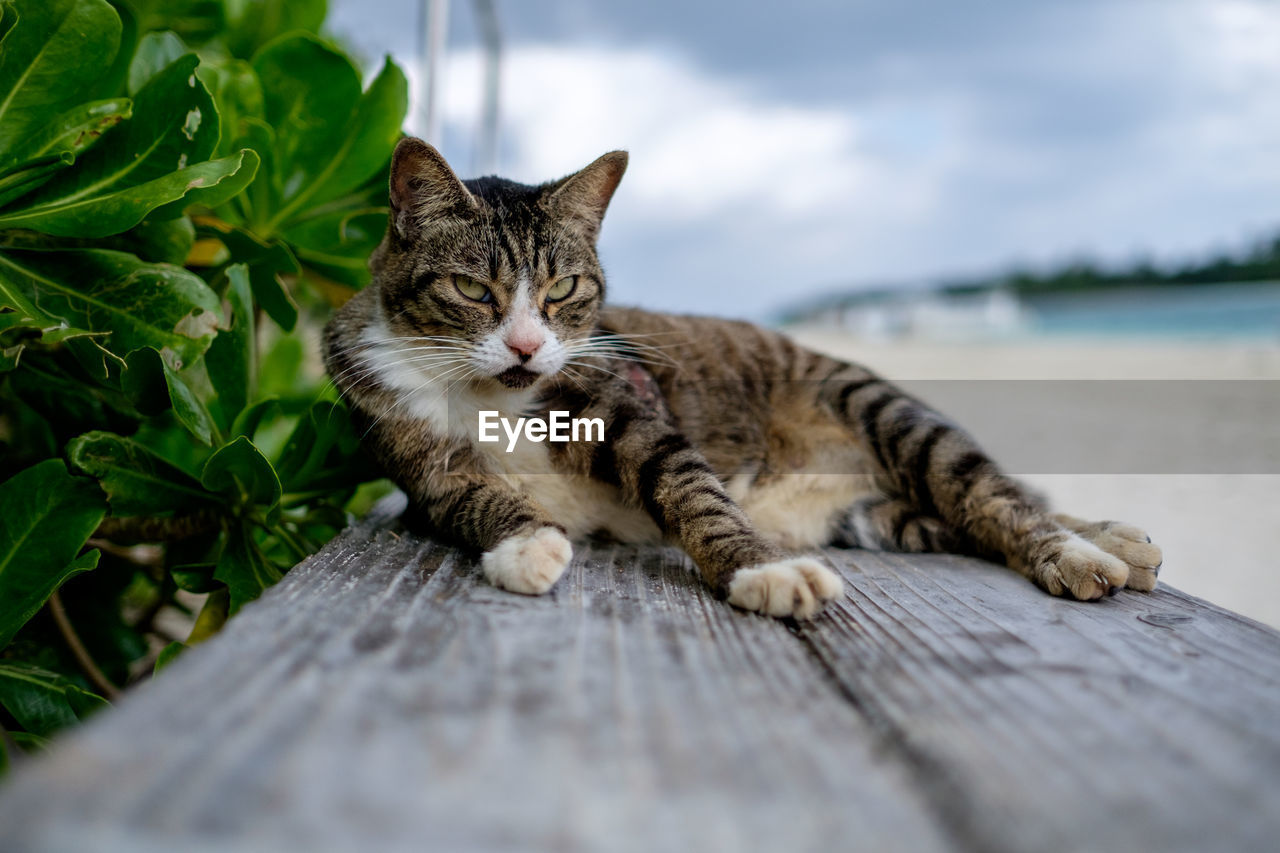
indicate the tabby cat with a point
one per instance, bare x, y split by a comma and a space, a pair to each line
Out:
728, 439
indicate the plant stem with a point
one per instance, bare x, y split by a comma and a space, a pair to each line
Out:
82, 656
148, 529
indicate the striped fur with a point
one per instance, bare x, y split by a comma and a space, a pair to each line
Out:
723, 437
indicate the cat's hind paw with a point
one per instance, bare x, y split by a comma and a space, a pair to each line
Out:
530, 563
798, 587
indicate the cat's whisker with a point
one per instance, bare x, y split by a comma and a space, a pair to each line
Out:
412, 339
623, 343
404, 357
623, 350
404, 398
574, 377
369, 366
597, 367
663, 361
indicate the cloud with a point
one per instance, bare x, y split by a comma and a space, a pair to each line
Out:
1108, 129
728, 190
700, 145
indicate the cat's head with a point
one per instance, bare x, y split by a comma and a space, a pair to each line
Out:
506, 272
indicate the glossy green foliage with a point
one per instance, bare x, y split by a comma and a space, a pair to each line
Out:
186, 188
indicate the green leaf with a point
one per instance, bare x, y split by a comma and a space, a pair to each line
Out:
21, 330
156, 51
189, 410
279, 369
28, 438
54, 53
55, 146
32, 174
73, 132
338, 245
248, 421
212, 616
231, 357
205, 185
154, 163
153, 386
240, 471
111, 79
209, 184
310, 92
136, 481
55, 387
195, 578
253, 23
168, 654
41, 701
48, 514
267, 262
359, 152
196, 21
318, 452
244, 568
168, 242
238, 96
140, 304
143, 381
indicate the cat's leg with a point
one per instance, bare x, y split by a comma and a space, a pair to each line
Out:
524, 549
657, 468
885, 523
942, 472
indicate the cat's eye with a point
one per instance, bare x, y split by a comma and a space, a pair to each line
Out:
472, 289
562, 289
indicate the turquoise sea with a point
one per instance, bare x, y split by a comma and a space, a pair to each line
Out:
1183, 311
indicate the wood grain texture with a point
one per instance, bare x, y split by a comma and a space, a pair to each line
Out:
384, 697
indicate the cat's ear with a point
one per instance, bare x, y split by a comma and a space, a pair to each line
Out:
423, 187
585, 195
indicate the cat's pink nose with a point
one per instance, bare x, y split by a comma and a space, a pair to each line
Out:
524, 347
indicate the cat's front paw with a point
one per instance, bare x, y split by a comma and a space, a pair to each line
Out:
1076, 567
797, 587
1128, 543
530, 563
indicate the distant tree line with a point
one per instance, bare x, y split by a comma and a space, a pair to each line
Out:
1260, 263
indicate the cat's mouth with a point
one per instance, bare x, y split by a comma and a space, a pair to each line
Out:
518, 377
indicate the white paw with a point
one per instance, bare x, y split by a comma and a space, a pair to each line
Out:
529, 564
797, 587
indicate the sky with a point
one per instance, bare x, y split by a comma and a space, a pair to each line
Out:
784, 150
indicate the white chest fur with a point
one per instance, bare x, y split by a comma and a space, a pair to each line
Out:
432, 389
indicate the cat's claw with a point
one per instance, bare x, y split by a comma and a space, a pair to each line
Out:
798, 587
529, 564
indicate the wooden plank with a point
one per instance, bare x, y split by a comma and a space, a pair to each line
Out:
1033, 723
384, 697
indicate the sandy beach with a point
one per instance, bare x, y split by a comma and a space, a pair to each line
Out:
1196, 462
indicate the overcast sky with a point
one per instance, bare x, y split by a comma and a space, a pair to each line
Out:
780, 150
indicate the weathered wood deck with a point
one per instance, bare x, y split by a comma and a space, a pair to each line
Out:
383, 697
